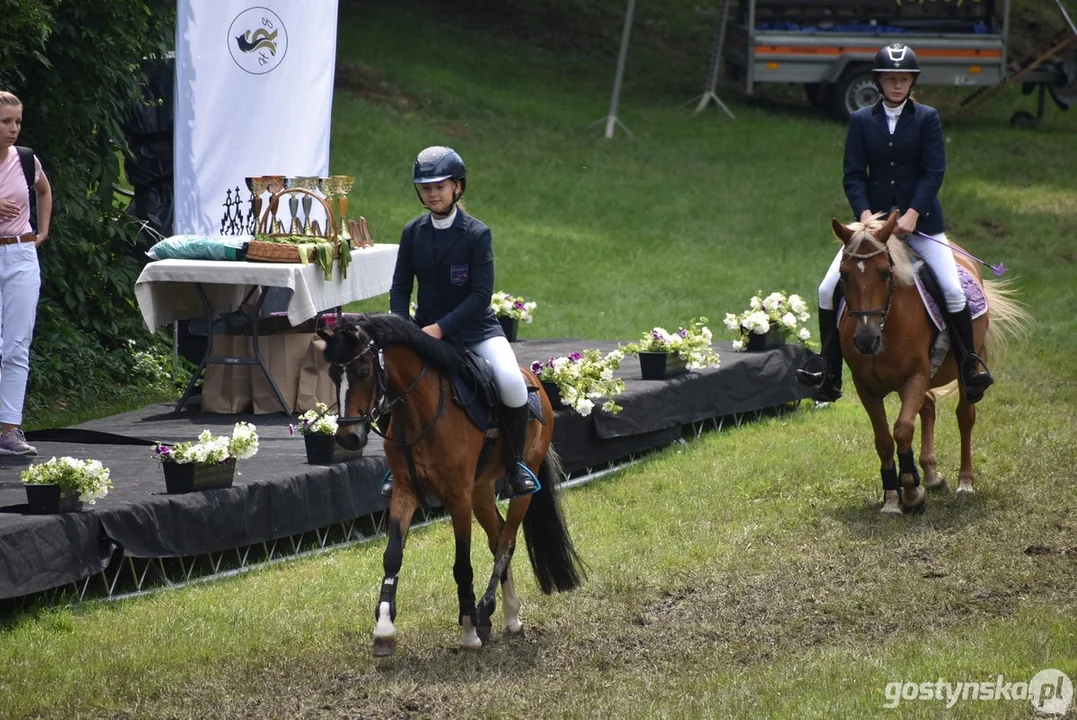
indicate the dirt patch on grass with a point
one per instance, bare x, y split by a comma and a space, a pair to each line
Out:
372, 87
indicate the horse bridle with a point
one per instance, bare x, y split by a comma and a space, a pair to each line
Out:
889, 289
379, 392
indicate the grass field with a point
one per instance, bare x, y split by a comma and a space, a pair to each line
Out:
746, 574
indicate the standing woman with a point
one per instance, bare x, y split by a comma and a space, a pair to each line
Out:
451, 255
20, 277
895, 159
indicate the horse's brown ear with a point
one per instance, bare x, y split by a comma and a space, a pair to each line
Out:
883, 234
840, 231
324, 334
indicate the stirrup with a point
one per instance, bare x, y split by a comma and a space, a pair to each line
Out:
810, 377
523, 483
973, 381
387, 484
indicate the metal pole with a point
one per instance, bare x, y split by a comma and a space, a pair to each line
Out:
611, 119
716, 62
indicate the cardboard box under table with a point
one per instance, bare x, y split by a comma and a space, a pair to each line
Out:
170, 290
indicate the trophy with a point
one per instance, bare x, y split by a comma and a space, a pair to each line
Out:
274, 184
329, 186
310, 184
257, 186
343, 185
294, 226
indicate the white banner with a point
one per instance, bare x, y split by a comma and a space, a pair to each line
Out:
254, 92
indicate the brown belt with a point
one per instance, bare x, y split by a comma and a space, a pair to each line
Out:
11, 239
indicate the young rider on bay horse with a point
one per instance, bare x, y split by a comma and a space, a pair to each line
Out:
895, 158
451, 255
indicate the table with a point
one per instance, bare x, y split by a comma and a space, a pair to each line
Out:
170, 290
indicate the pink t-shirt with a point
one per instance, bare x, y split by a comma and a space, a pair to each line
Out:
13, 187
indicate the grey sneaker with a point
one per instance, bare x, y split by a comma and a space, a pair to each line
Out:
13, 442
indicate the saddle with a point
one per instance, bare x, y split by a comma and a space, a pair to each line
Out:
474, 390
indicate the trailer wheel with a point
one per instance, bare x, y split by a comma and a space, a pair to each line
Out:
854, 90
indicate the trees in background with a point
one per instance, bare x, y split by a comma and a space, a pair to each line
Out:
76, 66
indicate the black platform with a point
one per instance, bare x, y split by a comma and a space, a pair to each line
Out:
277, 494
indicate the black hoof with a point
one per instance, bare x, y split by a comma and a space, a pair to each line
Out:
483, 631
942, 488
914, 509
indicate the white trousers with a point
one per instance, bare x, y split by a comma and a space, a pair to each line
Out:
20, 284
507, 375
938, 256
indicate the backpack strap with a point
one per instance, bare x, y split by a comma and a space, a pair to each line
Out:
26, 159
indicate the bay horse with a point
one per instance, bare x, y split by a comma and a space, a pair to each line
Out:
396, 372
886, 339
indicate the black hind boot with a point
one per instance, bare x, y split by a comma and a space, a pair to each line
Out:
521, 480
963, 341
823, 372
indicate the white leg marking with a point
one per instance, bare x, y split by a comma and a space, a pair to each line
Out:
384, 629
510, 605
469, 639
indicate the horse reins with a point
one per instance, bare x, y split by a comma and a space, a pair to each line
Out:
380, 389
889, 286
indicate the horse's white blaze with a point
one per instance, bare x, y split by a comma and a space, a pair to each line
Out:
469, 639
510, 602
860, 264
384, 629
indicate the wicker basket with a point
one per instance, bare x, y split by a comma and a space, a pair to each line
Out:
285, 252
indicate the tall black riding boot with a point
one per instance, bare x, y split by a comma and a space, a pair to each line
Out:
823, 372
521, 480
968, 362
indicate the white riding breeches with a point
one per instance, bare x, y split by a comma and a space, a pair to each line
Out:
938, 256
507, 375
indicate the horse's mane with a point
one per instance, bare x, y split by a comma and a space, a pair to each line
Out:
388, 329
904, 270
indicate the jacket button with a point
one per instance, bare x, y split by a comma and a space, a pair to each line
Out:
890, 144
891, 163
891, 182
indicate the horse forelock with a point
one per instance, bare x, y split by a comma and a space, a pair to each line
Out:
863, 242
344, 344
388, 329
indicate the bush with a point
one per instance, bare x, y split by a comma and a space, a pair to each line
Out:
75, 64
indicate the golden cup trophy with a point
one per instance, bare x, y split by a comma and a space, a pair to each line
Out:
340, 186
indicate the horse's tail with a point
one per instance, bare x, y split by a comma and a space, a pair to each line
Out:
553, 558
1009, 318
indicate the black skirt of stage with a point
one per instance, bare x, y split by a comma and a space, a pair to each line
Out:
277, 494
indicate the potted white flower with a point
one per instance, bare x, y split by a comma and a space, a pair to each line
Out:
318, 428
769, 322
64, 484
511, 311
663, 354
579, 380
207, 463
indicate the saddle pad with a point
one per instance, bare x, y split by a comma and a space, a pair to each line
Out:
974, 295
475, 398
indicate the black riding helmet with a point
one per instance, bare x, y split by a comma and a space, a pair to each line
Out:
895, 57
438, 163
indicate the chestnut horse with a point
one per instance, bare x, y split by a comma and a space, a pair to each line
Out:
886, 339
396, 371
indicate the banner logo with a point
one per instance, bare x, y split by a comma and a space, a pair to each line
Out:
258, 40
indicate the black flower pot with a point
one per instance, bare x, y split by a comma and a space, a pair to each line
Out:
188, 477
510, 325
50, 498
768, 341
320, 448
553, 393
660, 365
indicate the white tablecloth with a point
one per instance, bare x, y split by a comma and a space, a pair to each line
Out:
165, 290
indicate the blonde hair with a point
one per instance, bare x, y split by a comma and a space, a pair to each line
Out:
9, 100
863, 233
